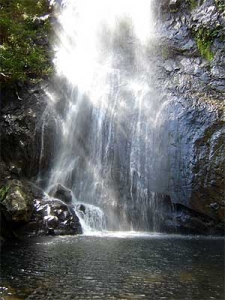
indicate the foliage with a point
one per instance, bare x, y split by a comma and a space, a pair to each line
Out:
221, 6
204, 40
204, 36
24, 46
165, 52
219, 3
194, 3
3, 192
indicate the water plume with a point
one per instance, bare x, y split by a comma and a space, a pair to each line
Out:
106, 141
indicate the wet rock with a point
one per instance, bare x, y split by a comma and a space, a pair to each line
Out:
52, 222
174, 4
61, 192
218, 72
192, 132
206, 16
82, 208
169, 5
54, 217
218, 85
171, 66
214, 206
189, 46
186, 221
27, 129
6, 174
17, 203
26, 211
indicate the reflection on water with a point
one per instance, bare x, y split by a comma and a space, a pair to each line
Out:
114, 266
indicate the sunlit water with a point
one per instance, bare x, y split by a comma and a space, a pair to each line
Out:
114, 266
106, 70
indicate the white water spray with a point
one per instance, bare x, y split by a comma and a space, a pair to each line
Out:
102, 52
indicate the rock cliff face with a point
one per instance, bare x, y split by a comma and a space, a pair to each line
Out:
27, 130
192, 64
28, 143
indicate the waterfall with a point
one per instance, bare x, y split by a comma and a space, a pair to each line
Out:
104, 64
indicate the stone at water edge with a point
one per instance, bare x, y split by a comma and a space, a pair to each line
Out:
51, 217
26, 212
59, 191
81, 207
17, 204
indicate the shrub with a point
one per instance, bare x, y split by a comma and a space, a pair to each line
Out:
24, 40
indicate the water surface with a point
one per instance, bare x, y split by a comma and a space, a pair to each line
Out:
114, 266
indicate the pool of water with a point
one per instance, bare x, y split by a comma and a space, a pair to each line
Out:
114, 266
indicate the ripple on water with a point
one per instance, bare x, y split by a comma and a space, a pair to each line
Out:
114, 266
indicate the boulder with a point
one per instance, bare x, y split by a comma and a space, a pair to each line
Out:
16, 202
26, 211
59, 191
52, 217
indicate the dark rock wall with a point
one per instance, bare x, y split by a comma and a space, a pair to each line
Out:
187, 158
28, 131
192, 129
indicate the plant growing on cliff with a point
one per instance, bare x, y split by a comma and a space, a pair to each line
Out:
195, 3
204, 40
24, 47
3, 192
221, 6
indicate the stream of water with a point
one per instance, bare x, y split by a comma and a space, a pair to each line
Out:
104, 64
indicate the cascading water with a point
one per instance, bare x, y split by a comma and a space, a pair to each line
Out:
105, 154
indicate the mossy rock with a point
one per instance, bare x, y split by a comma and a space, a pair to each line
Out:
25, 212
16, 202
220, 6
